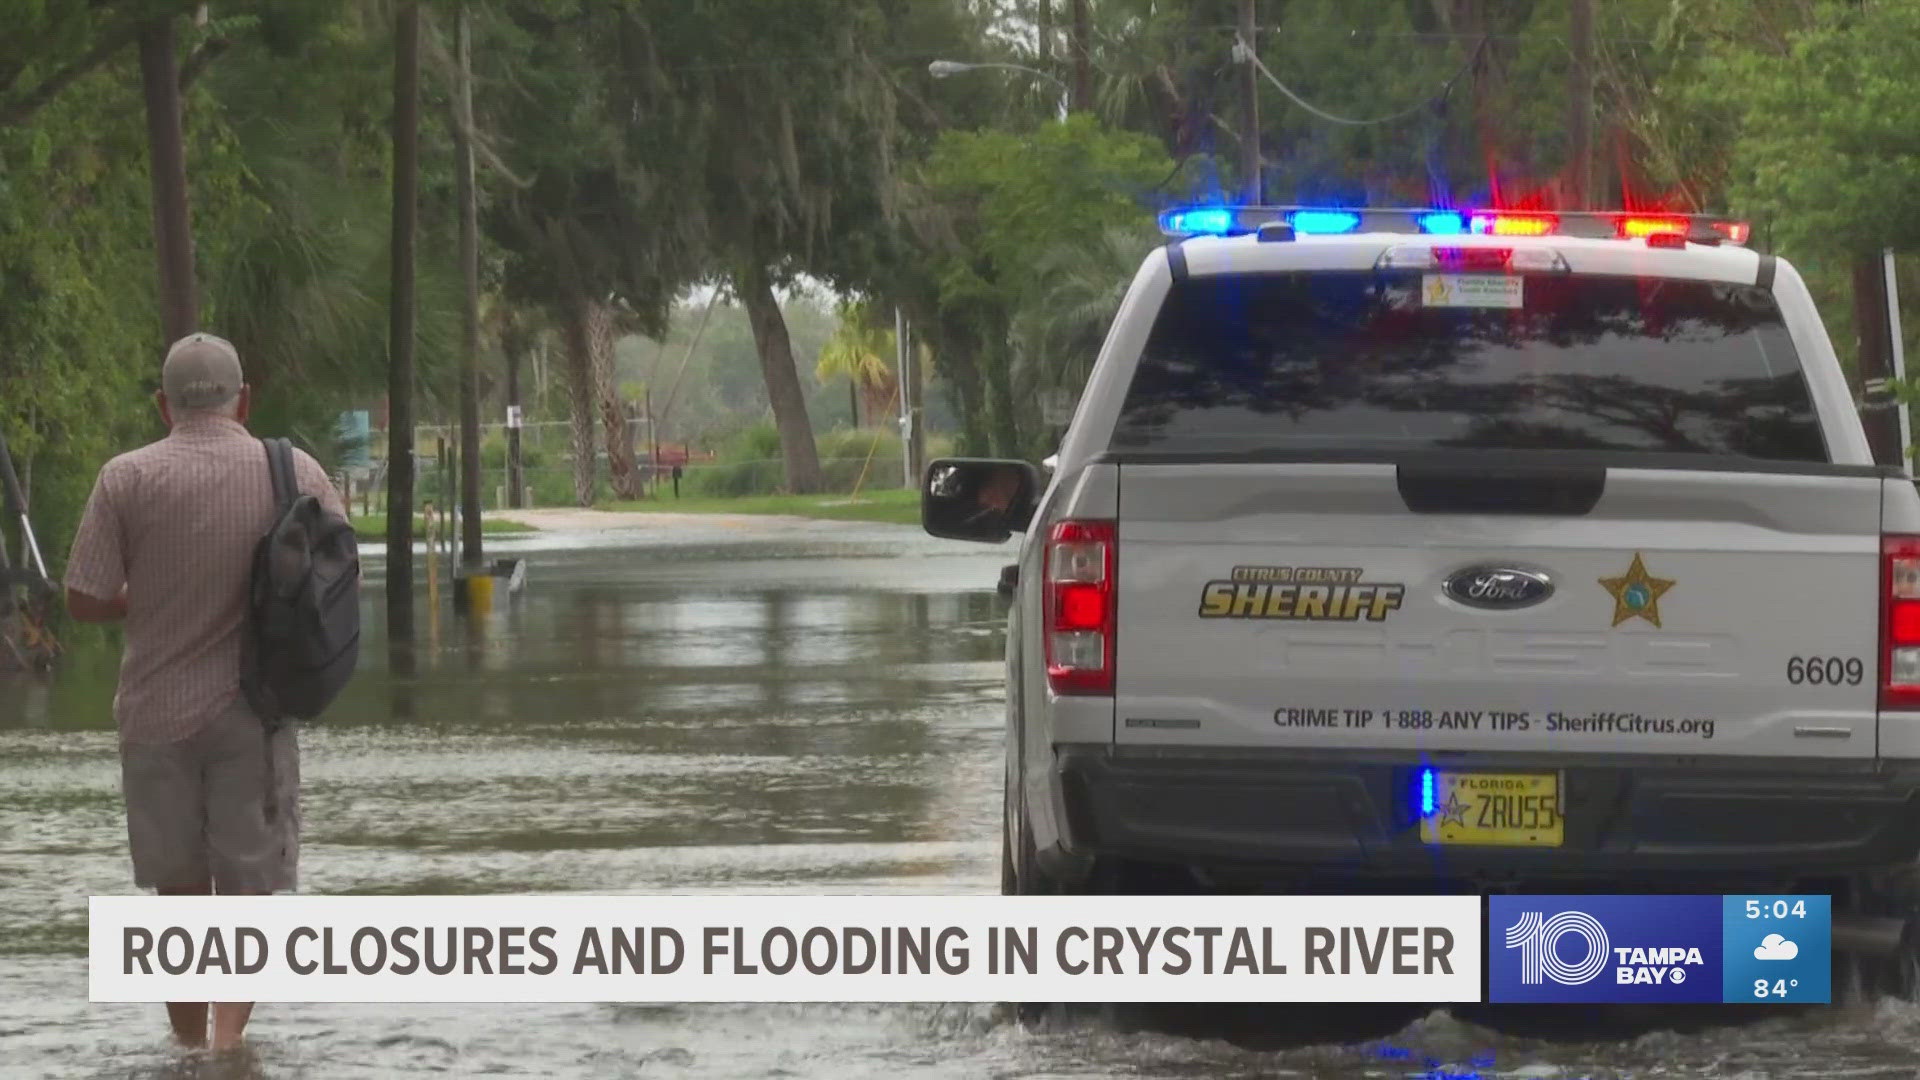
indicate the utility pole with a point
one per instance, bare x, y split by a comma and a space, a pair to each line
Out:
400, 471
1580, 105
470, 553
1250, 109
1082, 94
1897, 348
901, 355
653, 445
512, 343
917, 420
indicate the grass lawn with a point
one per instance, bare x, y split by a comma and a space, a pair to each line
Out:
374, 526
899, 506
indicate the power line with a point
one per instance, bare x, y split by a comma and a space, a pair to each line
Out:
1246, 55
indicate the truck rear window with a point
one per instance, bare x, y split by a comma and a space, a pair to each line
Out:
1316, 362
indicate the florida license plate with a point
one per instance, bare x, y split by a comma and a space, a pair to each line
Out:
1494, 809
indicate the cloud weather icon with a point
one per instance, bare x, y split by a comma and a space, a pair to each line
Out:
1775, 947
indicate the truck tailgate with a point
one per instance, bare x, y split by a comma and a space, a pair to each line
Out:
1685, 612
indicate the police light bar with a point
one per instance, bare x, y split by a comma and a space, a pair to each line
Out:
1287, 222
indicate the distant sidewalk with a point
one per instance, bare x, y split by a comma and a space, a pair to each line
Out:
888, 506
580, 519
894, 506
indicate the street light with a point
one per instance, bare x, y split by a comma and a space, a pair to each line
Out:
941, 69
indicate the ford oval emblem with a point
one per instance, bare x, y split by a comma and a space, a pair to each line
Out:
1498, 587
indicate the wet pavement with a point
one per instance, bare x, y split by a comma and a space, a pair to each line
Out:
731, 706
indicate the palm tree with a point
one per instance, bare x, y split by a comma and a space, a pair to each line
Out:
862, 352
1058, 333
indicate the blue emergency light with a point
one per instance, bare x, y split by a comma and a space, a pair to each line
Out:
1323, 221
1205, 221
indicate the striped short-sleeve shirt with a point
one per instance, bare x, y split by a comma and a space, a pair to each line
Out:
174, 523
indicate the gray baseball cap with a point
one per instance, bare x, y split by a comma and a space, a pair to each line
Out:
202, 372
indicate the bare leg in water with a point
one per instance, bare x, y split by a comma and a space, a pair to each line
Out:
230, 1017
189, 1018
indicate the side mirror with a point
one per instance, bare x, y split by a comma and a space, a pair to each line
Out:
980, 499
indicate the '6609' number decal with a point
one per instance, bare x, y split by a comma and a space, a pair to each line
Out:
1826, 670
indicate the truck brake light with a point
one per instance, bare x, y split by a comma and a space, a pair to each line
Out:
1900, 622
1081, 557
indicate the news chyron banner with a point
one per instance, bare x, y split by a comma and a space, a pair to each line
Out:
786, 948
1660, 949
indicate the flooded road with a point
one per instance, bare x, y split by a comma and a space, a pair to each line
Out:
714, 707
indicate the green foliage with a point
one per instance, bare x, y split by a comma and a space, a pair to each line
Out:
867, 459
582, 206
860, 349
1828, 145
634, 150
1011, 197
79, 328
748, 465
286, 130
994, 212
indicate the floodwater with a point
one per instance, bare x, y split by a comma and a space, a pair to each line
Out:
707, 707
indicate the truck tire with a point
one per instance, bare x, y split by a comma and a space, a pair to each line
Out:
1021, 876
1894, 892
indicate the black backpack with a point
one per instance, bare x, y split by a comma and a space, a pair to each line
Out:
303, 604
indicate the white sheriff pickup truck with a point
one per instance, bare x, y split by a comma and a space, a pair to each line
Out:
1451, 551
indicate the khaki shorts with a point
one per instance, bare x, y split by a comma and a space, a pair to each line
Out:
220, 806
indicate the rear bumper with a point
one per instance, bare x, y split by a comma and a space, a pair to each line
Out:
1291, 817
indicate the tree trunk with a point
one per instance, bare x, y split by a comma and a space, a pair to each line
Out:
955, 355
618, 432
470, 542
580, 397
1082, 30
167, 165
1004, 420
1043, 25
400, 468
784, 392
1873, 360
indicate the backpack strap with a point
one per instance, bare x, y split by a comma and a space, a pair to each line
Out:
280, 465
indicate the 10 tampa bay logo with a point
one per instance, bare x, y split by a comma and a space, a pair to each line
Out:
1604, 949
1538, 938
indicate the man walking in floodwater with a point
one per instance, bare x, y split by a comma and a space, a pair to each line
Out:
166, 544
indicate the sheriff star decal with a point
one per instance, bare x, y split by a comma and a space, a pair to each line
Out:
1636, 594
